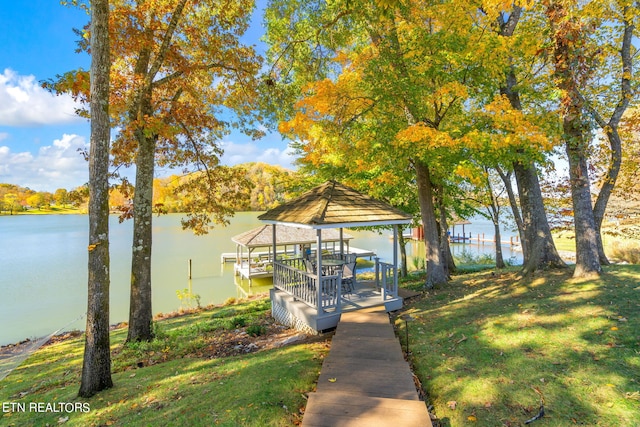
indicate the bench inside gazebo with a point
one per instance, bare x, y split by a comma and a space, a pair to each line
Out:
312, 301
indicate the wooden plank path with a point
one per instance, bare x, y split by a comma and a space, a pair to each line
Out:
365, 380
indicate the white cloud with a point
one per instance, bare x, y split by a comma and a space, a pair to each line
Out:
3, 135
243, 153
59, 165
23, 102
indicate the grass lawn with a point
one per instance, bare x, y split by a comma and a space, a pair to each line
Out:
202, 370
490, 346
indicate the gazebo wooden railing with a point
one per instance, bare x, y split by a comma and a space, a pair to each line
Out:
322, 293
386, 280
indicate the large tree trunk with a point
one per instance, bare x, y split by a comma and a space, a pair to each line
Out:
443, 232
403, 252
587, 256
140, 314
600, 207
541, 249
96, 366
436, 274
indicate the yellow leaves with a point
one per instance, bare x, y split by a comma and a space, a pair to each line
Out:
298, 125
512, 128
386, 4
341, 58
424, 135
387, 178
449, 91
466, 170
416, 133
332, 380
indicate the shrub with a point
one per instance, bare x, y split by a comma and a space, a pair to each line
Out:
256, 330
627, 252
418, 263
236, 322
466, 257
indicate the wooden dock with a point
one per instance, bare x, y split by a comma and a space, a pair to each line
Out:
365, 380
231, 256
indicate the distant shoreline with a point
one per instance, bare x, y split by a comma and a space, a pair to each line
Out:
53, 211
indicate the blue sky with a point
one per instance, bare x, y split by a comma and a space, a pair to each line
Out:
39, 132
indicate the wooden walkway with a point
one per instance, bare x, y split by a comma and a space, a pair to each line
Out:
365, 380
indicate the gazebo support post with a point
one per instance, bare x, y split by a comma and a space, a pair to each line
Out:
319, 270
274, 239
250, 250
341, 244
395, 260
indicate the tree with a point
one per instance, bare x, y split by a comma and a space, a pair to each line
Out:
538, 248
181, 80
79, 195
582, 61
11, 202
179, 67
618, 34
61, 197
566, 34
390, 77
96, 366
37, 200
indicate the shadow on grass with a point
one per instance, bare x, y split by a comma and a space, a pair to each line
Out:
489, 346
177, 379
259, 389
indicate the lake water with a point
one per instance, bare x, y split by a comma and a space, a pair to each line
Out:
43, 267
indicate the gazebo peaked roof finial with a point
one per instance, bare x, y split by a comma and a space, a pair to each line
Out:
334, 205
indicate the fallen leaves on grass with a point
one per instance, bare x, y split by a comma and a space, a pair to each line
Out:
633, 396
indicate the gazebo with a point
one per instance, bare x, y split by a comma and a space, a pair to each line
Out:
314, 302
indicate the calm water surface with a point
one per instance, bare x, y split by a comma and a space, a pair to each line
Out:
43, 267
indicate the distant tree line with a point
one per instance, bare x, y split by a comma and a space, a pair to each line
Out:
14, 198
268, 186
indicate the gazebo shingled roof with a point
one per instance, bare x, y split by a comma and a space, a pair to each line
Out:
333, 205
263, 236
